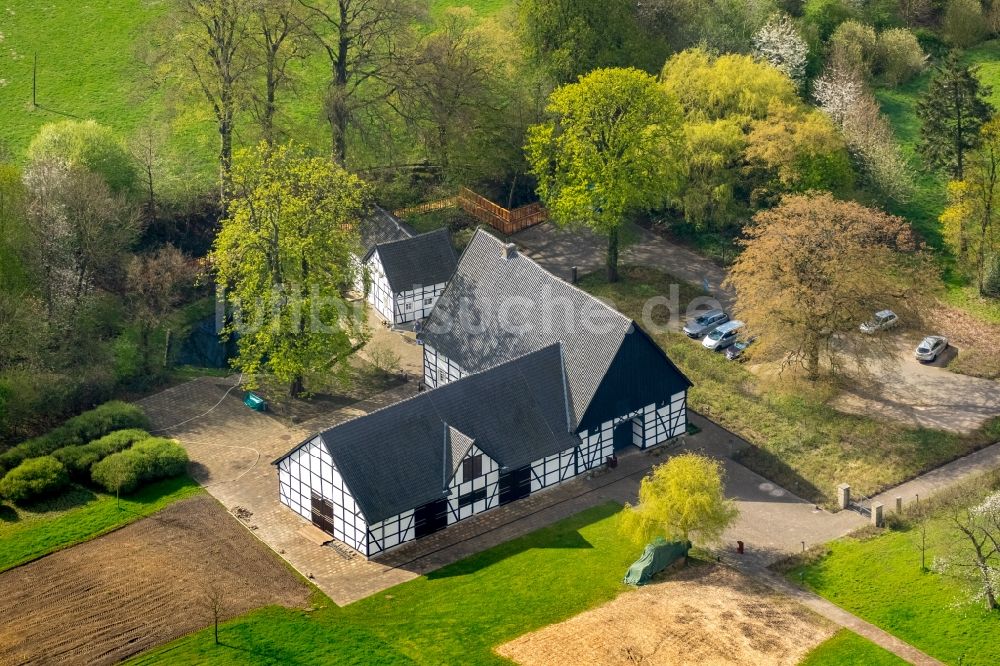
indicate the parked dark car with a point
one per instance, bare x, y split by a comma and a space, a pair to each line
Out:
701, 326
735, 351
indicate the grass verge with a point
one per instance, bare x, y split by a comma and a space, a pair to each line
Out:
799, 441
79, 515
847, 648
455, 615
878, 577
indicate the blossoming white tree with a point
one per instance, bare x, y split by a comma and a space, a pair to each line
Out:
976, 553
780, 44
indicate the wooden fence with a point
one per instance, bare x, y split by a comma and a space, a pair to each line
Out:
502, 219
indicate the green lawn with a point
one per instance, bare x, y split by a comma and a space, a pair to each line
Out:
801, 443
846, 648
879, 579
89, 67
79, 515
929, 198
456, 615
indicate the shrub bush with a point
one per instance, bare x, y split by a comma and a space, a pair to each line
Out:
34, 478
991, 283
853, 44
78, 430
79, 459
963, 24
900, 57
148, 460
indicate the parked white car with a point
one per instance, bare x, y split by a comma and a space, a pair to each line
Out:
931, 347
723, 336
882, 320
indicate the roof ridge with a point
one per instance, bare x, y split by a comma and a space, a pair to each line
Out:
427, 392
554, 276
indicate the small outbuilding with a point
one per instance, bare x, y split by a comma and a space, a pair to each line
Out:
406, 271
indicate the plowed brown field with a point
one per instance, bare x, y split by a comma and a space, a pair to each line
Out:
113, 597
702, 616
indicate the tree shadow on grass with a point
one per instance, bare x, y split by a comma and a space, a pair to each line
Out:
74, 497
8, 514
564, 535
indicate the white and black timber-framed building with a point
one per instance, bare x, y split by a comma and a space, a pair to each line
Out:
532, 382
406, 271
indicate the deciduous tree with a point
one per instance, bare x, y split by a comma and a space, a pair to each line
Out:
366, 42
286, 253
972, 218
82, 230
569, 38
951, 112
208, 45
814, 268
974, 555
612, 145
279, 36
843, 95
87, 145
683, 499
155, 284
779, 43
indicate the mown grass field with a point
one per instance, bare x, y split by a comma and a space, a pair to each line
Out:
455, 615
801, 442
929, 197
846, 648
90, 65
79, 515
880, 580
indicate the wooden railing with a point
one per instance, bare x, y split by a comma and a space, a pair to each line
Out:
450, 202
504, 220
500, 218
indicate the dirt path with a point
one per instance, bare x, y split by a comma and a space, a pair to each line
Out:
108, 599
702, 616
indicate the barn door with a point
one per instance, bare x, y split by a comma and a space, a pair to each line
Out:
322, 513
515, 484
623, 435
430, 518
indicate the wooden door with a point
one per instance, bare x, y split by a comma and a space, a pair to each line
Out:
515, 484
430, 518
322, 513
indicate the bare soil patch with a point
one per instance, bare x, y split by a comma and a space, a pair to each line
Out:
108, 599
704, 615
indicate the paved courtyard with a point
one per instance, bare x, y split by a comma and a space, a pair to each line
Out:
231, 449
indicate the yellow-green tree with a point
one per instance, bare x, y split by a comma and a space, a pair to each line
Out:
611, 146
740, 112
285, 254
971, 223
683, 499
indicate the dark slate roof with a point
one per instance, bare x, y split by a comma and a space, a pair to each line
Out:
500, 304
393, 460
380, 226
420, 261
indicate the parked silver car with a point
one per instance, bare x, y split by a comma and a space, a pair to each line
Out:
723, 336
701, 326
882, 320
931, 347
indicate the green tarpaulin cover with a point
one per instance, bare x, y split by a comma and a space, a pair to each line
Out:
658, 555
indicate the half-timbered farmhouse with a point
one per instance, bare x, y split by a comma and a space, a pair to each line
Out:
406, 271
533, 382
